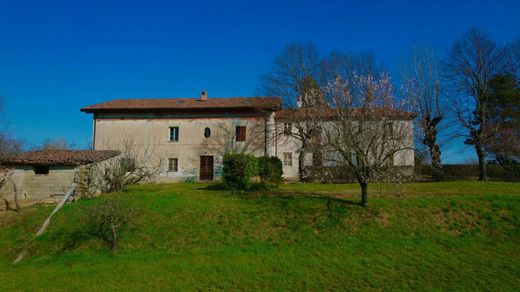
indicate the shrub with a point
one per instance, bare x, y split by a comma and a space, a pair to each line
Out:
270, 170
106, 216
238, 170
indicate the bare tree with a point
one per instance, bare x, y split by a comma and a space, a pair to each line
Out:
6, 178
55, 144
472, 62
107, 216
136, 163
295, 77
305, 122
514, 55
8, 146
365, 134
296, 62
347, 65
421, 84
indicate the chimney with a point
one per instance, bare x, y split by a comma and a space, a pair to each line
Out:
204, 95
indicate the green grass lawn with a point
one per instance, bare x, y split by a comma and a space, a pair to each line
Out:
452, 235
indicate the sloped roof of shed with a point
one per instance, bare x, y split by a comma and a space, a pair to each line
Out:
59, 157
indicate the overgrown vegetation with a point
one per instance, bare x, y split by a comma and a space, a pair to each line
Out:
470, 171
270, 170
438, 236
238, 169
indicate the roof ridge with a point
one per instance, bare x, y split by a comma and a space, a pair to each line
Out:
259, 102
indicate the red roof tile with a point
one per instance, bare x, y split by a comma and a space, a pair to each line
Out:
271, 103
331, 113
58, 157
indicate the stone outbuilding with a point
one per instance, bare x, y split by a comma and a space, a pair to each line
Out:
45, 176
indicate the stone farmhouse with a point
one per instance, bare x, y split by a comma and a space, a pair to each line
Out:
45, 176
189, 136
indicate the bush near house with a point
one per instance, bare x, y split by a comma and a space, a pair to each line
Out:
270, 170
238, 169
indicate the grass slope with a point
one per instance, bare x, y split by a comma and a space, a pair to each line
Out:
453, 235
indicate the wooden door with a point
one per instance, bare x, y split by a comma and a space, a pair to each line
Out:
206, 168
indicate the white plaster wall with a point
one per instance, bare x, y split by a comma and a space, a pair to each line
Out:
154, 134
288, 143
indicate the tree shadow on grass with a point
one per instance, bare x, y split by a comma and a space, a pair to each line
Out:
298, 209
275, 193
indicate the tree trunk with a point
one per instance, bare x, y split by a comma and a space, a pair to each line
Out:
482, 174
113, 241
301, 165
7, 207
430, 140
435, 154
364, 194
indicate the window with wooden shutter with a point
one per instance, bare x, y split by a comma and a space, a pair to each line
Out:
173, 164
240, 133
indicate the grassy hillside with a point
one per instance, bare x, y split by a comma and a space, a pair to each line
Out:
453, 235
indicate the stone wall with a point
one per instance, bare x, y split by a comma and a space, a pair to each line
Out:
34, 188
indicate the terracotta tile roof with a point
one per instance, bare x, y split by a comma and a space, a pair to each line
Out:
273, 103
59, 157
330, 113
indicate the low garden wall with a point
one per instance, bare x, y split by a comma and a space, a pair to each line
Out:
338, 174
470, 171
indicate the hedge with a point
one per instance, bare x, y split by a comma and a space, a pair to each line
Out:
471, 171
337, 174
270, 170
238, 169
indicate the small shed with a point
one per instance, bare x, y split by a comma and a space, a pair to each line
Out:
45, 176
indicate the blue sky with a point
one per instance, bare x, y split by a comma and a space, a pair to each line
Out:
57, 56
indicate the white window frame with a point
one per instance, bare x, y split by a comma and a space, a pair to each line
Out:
170, 134
287, 159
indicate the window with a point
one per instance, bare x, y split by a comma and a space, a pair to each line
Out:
317, 159
315, 137
287, 128
207, 133
287, 158
174, 134
41, 169
240, 133
173, 164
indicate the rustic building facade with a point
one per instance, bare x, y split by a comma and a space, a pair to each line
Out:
191, 135
45, 176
